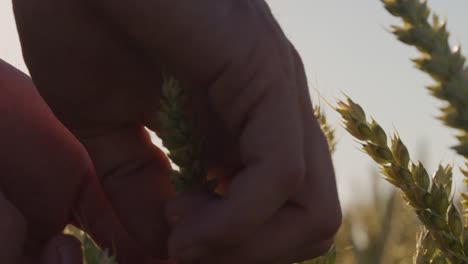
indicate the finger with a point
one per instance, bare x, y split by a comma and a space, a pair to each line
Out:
319, 191
186, 205
96, 216
135, 178
12, 232
307, 252
42, 163
63, 249
290, 234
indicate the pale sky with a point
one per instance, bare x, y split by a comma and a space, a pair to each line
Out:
346, 48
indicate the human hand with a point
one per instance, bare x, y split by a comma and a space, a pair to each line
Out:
43, 166
249, 98
42, 169
48, 176
296, 232
61, 249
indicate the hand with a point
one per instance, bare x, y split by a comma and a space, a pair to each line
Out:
249, 97
48, 176
301, 228
61, 249
42, 167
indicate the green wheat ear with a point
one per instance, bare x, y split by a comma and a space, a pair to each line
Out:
178, 136
431, 199
444, 64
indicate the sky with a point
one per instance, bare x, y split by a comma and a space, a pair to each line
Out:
346, 48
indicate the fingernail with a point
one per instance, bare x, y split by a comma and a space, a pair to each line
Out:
191, 254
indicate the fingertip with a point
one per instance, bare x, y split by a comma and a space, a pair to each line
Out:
192, 238
185, 206
13, 229
63, 249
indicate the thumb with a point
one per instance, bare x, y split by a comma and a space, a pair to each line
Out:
186, 205
63, 249
12, 232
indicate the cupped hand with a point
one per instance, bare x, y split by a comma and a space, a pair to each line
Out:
61, 249
249, 97
42, 167
48, 176
303, 217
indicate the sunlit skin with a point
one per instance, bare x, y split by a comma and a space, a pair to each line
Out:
98, 65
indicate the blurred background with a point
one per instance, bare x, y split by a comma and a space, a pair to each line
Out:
346, 48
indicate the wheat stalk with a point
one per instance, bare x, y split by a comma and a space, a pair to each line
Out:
426, 250
430, 199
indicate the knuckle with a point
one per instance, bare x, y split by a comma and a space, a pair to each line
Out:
256, 61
